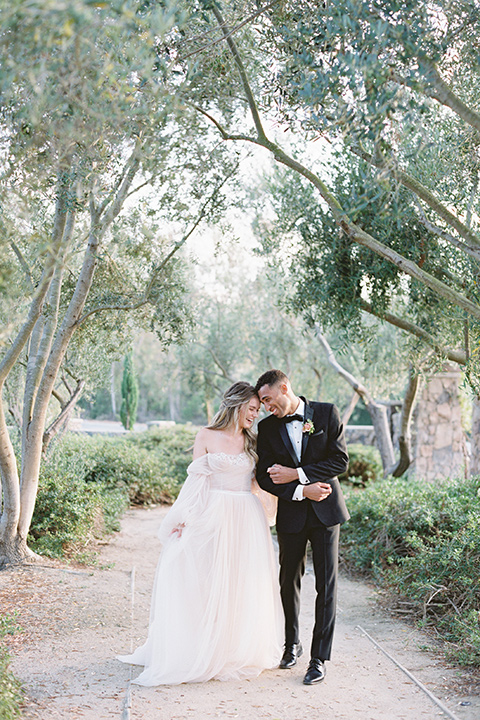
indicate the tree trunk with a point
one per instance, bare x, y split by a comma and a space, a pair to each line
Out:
209, 408
383, 438
14, 551
47, 352
13, 547
36, 428
11, 491
377, 411
112, 391
34, 431
405, 439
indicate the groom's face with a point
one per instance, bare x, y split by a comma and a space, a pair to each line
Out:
275, 398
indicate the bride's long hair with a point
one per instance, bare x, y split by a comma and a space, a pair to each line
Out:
228, 413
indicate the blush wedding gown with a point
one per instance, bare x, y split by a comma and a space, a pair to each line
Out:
216, 610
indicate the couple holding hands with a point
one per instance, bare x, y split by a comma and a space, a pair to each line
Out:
217, 610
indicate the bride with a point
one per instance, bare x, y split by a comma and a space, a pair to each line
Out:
216, 610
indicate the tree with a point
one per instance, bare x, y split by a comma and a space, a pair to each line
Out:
89, 118
339, 69
373, 78
128, 409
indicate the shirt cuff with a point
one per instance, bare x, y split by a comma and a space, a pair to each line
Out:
302, 478
298, 494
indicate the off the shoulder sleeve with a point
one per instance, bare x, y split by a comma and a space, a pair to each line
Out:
191, 500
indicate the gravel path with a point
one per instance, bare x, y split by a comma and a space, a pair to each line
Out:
77, 620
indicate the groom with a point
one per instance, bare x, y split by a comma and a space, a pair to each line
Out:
301, 450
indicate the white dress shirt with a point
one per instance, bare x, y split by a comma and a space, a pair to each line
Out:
295, 433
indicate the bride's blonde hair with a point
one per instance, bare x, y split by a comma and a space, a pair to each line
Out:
228, 413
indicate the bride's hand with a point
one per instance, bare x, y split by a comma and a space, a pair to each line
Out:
281, 475
178, 529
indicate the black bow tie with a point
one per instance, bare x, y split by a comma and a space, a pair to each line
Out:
290, 418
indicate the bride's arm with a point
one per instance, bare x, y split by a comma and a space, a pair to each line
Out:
269, 502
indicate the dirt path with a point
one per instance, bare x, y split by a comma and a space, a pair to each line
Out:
77, 621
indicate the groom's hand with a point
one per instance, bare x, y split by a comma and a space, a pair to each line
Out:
281, 475
317, 491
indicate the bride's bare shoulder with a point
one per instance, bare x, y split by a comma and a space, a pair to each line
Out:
206, 432
202, 441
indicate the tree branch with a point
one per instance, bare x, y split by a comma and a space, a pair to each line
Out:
359, 387
226, 32
347, 413
243, 75
59, 398
425, 194
146, 293
377, 411
23, 263
363, 238
471, 199
217, 362
38, 299
445, 95
456, 356
63, 416
354, 231
444, 234
120, 191
341, 218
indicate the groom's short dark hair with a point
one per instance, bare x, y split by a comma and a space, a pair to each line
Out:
271, 377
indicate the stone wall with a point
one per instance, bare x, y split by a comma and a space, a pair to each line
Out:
438, 446
363, 434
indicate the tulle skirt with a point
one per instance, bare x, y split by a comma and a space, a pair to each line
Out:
216, 610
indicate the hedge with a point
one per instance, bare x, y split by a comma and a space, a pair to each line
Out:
421, 540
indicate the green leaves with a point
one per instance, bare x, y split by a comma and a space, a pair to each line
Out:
422, 542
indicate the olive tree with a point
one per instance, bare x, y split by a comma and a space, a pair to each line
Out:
394, 85
91, 128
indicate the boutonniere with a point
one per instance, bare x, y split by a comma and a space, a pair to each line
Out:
308, 427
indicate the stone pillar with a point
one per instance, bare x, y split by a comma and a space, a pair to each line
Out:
475, 442
439, 448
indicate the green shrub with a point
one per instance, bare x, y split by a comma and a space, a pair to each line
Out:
119, 464
422, 540
86, 483
173, 446
364, 465
11, 695
151, 466
70, 511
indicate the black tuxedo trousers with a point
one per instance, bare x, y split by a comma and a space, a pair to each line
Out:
299, 522
293, 552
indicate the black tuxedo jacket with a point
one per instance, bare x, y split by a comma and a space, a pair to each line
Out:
324, 456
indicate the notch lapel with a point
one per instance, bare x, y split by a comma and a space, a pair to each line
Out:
308, 416
288, 443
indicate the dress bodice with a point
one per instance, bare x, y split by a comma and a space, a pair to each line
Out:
226, 472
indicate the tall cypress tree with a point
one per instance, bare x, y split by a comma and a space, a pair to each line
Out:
128, 410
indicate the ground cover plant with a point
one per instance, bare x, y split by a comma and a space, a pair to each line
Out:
422, 541
10, 690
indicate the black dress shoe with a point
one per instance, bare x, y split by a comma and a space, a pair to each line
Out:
315, 673
290, 655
